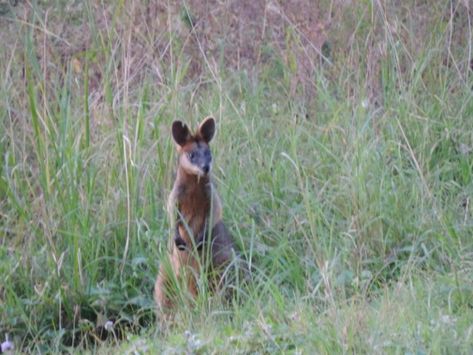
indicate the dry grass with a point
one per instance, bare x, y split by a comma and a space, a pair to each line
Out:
343, 156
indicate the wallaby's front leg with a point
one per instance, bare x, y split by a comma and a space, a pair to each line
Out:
179, 242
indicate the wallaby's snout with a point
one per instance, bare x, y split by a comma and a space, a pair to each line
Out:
199, 158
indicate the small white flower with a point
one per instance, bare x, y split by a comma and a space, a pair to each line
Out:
6, 345
447, 319
108, 325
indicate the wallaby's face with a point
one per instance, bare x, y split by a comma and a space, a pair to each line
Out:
194, 152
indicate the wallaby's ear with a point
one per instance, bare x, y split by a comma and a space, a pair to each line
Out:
180, 132
207, 129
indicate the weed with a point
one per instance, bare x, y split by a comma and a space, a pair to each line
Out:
344, 157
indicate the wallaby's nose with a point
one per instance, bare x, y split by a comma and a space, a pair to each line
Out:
206, 169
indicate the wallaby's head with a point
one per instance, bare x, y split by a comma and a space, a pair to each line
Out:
194, 152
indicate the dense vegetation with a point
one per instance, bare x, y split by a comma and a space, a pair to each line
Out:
344, 158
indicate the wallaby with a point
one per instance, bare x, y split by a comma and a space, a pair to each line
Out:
200, 237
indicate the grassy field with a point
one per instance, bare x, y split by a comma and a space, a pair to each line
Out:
343, 156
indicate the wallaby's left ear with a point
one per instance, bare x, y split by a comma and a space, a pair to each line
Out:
180, 132
207, 129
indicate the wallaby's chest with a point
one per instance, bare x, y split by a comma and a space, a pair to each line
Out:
193, 204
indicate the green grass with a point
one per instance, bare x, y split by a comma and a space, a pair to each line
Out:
349, 189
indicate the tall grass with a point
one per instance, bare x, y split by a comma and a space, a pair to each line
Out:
348, 189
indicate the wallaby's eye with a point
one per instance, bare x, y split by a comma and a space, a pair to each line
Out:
191, 155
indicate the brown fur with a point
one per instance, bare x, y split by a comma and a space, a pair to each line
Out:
194, 208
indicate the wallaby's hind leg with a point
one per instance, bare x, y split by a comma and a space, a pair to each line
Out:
230, 271
176, 275
222, 246
161, 289
164, 289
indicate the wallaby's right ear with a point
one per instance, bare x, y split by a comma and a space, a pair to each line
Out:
207, 129
180, 132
